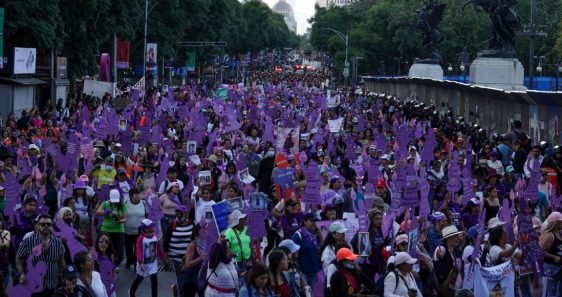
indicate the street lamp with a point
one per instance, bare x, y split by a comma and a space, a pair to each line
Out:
463, 68
345, 38
450, 68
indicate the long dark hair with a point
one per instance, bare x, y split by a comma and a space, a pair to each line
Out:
275, 257
109, 251
330, 240
80, 259
256, 271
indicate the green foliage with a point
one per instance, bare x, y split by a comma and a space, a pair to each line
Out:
83, 29
384, 32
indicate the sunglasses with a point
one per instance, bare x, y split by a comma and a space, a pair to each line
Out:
45, 224
104, 241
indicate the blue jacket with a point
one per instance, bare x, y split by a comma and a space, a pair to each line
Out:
250, 291
435, 239
309, 259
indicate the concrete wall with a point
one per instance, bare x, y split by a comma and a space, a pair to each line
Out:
491, 108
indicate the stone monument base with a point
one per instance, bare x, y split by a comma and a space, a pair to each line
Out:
426, 69
505, 73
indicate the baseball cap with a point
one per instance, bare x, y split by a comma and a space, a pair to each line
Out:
473, 202
114, 196
145, 223
33, 147
380, 183
345, 254
70, 272
291, 245
509, 169
472, 232
378, 202
401, 238
555, 216
338, 227
310, 216
403, 257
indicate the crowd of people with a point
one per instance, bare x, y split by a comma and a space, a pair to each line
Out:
365, 195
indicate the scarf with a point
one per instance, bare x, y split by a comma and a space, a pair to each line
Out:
308, 236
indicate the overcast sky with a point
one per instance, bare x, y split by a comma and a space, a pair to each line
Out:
303, 9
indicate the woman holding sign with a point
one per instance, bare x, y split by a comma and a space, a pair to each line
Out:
551, 243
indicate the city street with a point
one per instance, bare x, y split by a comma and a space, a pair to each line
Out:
127, 276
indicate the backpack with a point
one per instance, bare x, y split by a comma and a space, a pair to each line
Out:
379, 285
524, 140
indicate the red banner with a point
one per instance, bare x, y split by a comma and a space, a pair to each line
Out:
123, 48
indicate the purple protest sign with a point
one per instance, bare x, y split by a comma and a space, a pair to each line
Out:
505, 216
162, 175
387, 221
107, 272
12, 198
350, 149
533, 254
532, 191
211, 234
35, 276
155, 213
256, 224
311, 194
69, 234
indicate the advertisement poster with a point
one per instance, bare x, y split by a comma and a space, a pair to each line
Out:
151, 55
24, 60
123, 48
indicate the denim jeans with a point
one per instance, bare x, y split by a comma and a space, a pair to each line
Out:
553, 277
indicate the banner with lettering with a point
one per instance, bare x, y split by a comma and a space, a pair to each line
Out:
494, 281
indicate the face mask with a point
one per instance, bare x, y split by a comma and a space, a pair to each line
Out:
68, 220
108, 168
270, 153
349, 266
121, 128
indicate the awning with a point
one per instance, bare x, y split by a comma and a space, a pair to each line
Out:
27, 81
62, 82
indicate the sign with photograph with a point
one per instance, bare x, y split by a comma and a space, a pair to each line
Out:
25, 60
61, 68
151, 55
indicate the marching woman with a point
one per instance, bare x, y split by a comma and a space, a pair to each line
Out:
147, 262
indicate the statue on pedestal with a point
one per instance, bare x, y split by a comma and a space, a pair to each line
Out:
504, 22
429, 19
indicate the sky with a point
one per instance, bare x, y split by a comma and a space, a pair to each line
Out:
303, 9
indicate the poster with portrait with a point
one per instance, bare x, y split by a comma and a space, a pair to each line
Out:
236, 203
205, 178
151, 55
258, 201
191, 147
288, 140
364, 245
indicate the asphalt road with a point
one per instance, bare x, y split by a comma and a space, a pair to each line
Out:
127, 276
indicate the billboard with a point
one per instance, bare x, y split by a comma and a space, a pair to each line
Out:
151, 55
61, 68
123, 48
1, 37
24, 60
